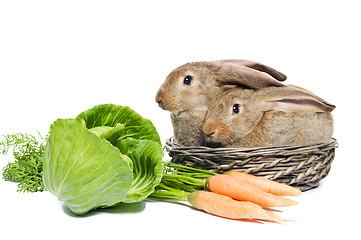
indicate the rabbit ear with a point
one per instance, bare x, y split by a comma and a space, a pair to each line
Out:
246, 74
292, 99
258, 66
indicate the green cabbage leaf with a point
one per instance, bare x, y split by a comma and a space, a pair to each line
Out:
109, 116
106, 155
147, 166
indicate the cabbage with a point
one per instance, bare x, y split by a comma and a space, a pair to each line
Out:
106, 155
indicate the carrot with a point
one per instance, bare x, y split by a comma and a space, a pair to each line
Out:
226, 207
240, 190
279, 189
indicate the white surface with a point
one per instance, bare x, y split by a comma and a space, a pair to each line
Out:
60, 58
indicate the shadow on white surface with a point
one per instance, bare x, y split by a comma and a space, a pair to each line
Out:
116, 209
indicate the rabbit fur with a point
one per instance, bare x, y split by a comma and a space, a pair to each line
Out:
274, 116
188, 90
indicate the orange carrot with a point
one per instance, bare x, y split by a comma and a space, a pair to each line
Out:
226, 207
279, 189
240, 190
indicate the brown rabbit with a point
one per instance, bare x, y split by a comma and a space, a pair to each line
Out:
273, 116
187, 91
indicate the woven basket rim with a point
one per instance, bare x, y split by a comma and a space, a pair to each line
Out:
172, 145
299, 166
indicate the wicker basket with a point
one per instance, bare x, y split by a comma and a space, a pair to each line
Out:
299, 166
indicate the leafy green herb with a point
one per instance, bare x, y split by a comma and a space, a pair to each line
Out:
27, 168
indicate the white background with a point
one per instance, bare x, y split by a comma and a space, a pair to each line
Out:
59, 58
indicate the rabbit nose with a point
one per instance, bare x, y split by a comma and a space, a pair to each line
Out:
210, 128
159, 102
159, 97
209, 135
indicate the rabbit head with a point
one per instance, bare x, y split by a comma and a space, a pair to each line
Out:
231, 116
192, 85
269, 116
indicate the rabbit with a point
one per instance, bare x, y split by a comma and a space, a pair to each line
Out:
187, 91
274, 116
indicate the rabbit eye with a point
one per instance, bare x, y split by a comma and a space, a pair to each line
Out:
235, 108
187, 80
